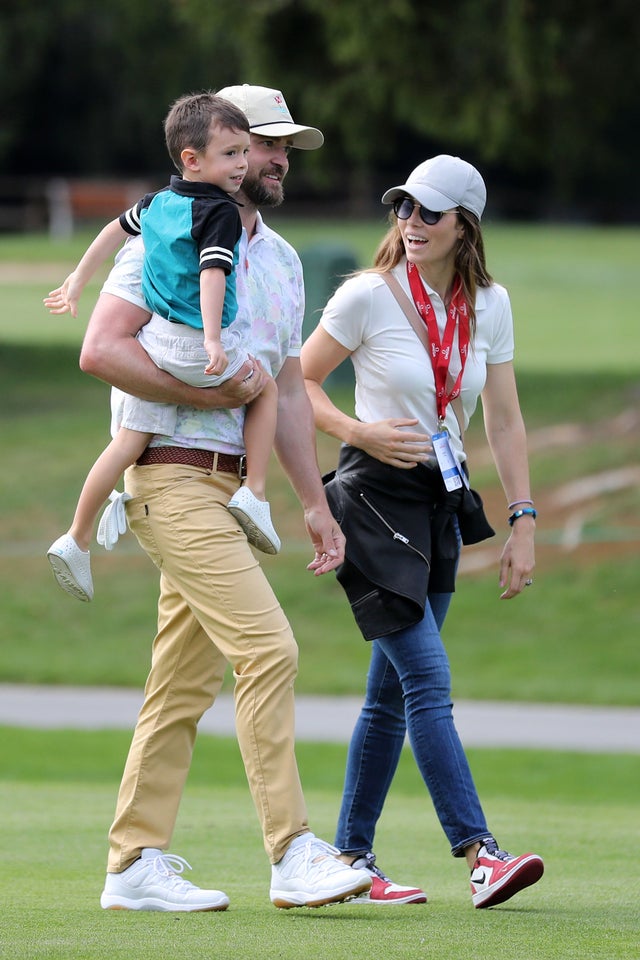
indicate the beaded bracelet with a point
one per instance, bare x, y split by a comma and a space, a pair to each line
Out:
525, 512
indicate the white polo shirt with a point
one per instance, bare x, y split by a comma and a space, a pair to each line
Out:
394, 376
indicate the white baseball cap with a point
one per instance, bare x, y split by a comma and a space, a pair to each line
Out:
441, 183
267, 113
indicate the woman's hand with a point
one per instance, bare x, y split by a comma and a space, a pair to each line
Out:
518, 560
391, 442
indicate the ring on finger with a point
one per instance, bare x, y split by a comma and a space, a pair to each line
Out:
528, 583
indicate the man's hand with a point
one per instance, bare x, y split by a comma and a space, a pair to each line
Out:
327, 539
232, 393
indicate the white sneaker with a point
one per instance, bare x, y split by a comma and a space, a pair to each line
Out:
254, 516
153, 883
72, 567
309, 875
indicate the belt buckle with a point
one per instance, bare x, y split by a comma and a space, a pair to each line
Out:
242, 467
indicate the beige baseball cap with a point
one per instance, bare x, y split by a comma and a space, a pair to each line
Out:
267, 113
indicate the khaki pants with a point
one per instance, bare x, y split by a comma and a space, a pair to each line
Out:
215, 606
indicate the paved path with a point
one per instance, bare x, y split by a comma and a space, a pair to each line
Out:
480, 723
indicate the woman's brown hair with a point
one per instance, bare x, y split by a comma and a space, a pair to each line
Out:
470, 263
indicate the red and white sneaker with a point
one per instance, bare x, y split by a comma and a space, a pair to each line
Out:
383, 890
497, 876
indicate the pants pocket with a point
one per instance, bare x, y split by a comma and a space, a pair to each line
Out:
139, 519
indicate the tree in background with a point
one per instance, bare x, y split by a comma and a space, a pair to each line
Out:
541, 93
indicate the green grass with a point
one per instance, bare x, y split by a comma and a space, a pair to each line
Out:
547, 645
572, 288
578, 811
572, 638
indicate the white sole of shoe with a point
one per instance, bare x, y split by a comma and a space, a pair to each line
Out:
110, 902
285, 900
255, 536
395, 902
527, 873
66, 579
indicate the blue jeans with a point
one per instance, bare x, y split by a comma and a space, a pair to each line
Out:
409, 690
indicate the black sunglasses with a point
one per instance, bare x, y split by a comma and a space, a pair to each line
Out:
403, 208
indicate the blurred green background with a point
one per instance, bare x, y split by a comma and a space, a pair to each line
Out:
543, 99
533, 95
572, 638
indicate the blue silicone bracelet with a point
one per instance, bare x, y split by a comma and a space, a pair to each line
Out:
525, 512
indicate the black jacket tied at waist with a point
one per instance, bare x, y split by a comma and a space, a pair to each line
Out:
402, 537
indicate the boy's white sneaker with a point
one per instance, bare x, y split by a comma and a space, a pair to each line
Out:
310, 875
72, 567
254, 516
154, 883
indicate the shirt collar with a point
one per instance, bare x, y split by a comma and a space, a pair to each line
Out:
197, 188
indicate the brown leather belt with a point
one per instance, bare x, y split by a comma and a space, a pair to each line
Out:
207, 459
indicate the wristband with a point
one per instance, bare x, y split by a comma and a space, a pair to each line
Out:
518, 502
525, 512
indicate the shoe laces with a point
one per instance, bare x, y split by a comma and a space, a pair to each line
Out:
317, 854
368, 862
492, 849
170, 866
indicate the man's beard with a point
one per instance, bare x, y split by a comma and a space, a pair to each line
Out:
260, 195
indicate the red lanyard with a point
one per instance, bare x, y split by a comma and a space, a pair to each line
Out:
441, 349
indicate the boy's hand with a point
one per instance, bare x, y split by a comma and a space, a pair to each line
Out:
65, 298
218, 361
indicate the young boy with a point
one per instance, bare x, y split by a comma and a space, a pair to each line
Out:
191, 231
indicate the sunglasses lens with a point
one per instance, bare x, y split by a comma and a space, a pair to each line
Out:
430, 216
403, 208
